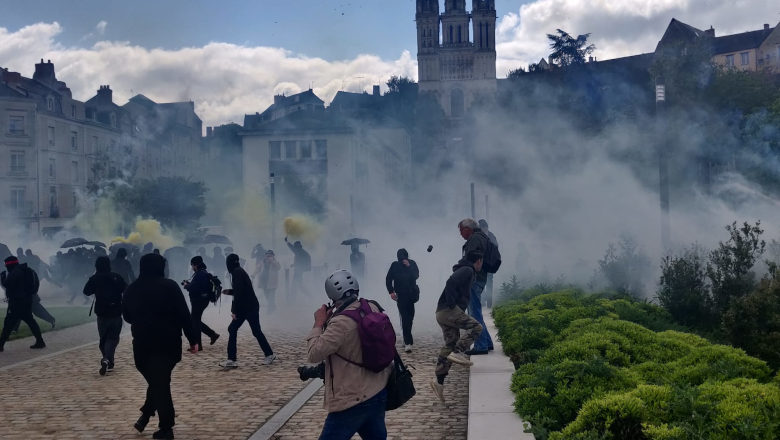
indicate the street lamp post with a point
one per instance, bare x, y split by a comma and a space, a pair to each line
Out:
663, 160
273, 213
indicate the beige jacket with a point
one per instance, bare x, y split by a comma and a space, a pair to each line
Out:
351, 384
273, 275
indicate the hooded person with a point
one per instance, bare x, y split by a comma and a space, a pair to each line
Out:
199, 287
357, 262
19, 284
123, 267
301, 264
245, 307
107, 287
268, 279
156, 310
401, 283
36, 265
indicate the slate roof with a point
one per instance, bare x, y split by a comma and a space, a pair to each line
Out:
740, 42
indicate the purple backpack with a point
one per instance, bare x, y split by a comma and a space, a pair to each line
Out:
377, 337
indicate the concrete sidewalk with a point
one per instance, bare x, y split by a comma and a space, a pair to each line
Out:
491, 402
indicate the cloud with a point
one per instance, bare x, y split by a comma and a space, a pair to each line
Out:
224, 80
618, 28
101, 27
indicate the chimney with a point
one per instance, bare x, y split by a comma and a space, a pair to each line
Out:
11, 77
278, 98
105, 95
376, 90
208, 132
766, 27
549, 60
710, 32
44, 73
590, 59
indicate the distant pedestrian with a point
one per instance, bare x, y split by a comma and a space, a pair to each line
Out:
268, 279
107, 287
301, 264
122, 267
477, 241
357, 261
258, 253
245, 307
487, 297
157, 313
200, 287
452, 318
401, 283
19, 283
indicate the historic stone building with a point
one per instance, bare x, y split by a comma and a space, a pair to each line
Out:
456, 52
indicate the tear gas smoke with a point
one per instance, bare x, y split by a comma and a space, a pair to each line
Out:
301, 227
149, 231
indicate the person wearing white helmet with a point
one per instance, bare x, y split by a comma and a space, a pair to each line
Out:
355, 396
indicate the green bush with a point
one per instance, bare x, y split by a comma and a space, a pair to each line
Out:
753, 322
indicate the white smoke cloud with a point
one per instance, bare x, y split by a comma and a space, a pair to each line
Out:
618, 28
224, 80
101, 27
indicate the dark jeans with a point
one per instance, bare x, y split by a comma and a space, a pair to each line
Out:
488, 292
157, 369
109, 330
12, 319
253, 318
367, 419
198, 307
406, 310
270, 296
297, 284
475, 310
39, 311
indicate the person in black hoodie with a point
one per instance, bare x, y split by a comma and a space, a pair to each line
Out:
401, 282
245, 308
199, 287
107, 287
157, 313
122, 267
452, 318
18, 284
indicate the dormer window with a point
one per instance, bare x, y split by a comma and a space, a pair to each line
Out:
50, 104
113, 120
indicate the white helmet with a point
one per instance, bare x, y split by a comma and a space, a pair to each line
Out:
339, 283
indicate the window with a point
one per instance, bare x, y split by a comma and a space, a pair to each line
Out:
51, 136
460, 35
456, 103
16, 125
305, 149
52, 168
94, 144
50, 104
17, 199
450, 35
730, 60
73, 111
74, 144
52, 198
276, 150
289, 149
75, 203
745, 58
74, 171
322, 149
17, 161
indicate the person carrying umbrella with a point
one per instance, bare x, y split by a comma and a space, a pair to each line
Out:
357, 261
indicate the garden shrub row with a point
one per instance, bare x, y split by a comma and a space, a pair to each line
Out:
590, 366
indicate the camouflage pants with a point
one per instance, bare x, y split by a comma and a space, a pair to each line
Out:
451, 323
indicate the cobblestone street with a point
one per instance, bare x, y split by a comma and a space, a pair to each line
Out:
64, 397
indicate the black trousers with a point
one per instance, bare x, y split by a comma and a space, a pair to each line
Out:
253, 319
198, 307
406, 310
109, 330
39, 311
157, 369
16, 314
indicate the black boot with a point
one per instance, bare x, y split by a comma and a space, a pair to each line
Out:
38, 344
140, 425
165, 434
214, 339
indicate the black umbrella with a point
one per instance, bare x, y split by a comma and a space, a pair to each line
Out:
73, 242
128, 246
177, 252
210, 239
96, 243
357, 241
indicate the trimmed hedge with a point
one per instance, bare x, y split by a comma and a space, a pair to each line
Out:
590, 367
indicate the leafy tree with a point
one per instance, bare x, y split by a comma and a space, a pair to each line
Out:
730, 268
516, 73
568, 50
753, 321
535, 68
175, 202
625, 269
683, 289
399, 84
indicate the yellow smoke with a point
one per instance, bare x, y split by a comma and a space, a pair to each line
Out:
303, 228
149, 231
244, 211
99, 221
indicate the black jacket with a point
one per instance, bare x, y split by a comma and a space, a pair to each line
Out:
199, 287
18, 284
244, 298
107, 288
477, 242
457, 291
124, 269
401, 279
302, 260
156, 311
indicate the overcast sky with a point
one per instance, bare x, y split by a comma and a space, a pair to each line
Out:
230, 57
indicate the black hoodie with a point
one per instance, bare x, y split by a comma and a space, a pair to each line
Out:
401, 279
457, 291
244, 298
123, 267
107, 288
155, 308
17, 284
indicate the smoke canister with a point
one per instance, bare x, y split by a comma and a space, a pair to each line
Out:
430, 247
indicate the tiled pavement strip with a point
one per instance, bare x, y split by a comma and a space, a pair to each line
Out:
63, 397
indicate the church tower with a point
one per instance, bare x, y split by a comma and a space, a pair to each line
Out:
427, 19
484, 22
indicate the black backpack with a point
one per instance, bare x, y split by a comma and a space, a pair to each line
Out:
216, 288
33, 284
491, 261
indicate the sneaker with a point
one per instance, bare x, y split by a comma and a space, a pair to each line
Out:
438, 389
214, 339
460, 359
103, 367
408, 348
140, 425
229, 364
13, 332
165, 434
491, 348
269, 359
37, 345
110, 367
477, 352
